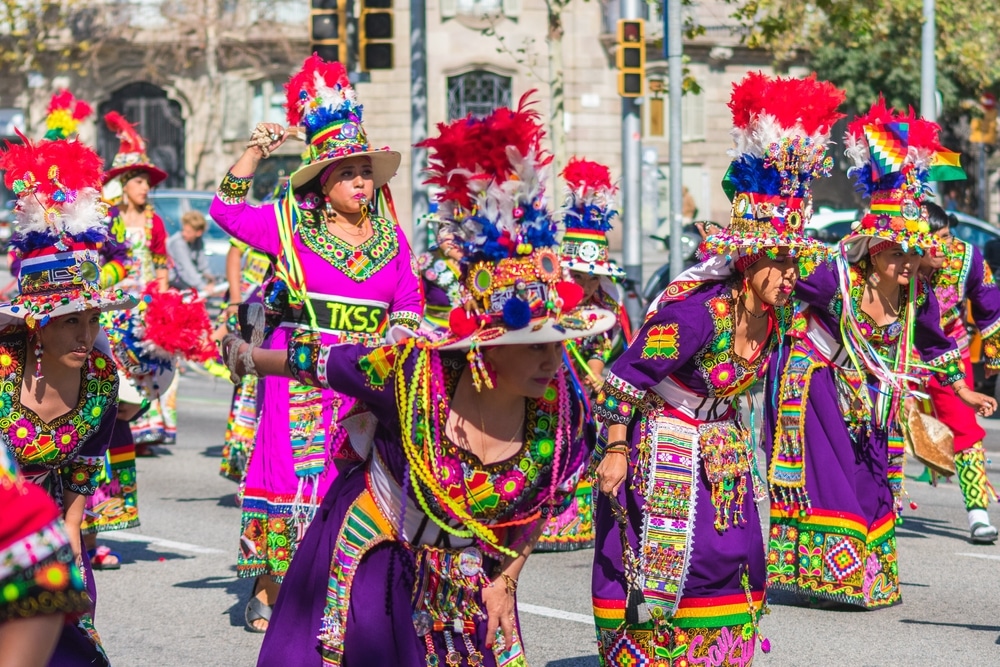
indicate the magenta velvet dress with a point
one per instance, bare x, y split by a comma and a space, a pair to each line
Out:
356, 292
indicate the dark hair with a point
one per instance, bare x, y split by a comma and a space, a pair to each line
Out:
938, 219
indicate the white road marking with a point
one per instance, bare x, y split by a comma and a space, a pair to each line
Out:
554, 613
986, 556
158, 542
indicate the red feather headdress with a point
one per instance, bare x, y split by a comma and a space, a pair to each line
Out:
131, 140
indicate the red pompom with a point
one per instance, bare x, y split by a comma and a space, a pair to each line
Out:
570, 293
586, 177
177, 324
462, 323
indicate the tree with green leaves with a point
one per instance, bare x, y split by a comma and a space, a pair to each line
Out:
873, 46
43, 40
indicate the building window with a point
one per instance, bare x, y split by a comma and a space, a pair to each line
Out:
267, 105
656, 117
477, 92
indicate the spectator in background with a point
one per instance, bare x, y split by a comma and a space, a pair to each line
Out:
689, 207
187, 250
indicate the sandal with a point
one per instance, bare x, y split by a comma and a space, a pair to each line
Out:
256, 611
100, 557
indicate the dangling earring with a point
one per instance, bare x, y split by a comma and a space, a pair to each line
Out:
874, 279
38, 358
482, 371
364, 209
328, 211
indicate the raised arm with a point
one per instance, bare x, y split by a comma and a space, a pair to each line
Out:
254, 225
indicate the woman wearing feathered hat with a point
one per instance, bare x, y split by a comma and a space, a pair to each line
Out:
58, 392
346, 271
835, 442
679, 564
472, 441
587, 213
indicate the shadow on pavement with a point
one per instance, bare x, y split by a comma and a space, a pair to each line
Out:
233, 586
585, 661
135, 552
919, 527
213, 452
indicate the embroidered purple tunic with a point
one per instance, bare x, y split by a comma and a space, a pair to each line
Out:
65, 454
377, 582
692, 524
356, 293
836, 474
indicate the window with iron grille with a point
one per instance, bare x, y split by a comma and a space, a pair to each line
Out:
477, 92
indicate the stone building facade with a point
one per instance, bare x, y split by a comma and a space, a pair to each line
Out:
198, 76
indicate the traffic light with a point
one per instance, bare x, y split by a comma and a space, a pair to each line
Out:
328, 29
375, 34
631, 57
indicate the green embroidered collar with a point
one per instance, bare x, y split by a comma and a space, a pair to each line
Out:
359, 263
52, 444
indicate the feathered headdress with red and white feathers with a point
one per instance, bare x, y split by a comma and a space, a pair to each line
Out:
491, 177
590, 195
57, 184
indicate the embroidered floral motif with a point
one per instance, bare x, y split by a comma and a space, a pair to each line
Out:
234, 189
725, 372
53, 445
661, 342
616, 400
359, 263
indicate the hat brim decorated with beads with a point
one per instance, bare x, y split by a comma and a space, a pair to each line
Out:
385, 163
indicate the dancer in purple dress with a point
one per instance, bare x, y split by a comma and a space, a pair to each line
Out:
679, 572
347, 272
58, 393
835, 440
471, 441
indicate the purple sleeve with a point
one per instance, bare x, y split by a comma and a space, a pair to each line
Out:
935, 348
819, 288
408, 303
81, 474
667, 341
365, 373
984, 297
257, 226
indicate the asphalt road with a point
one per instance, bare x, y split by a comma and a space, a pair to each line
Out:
177, 602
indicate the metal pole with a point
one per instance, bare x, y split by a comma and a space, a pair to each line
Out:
631, 173
418, 121
928, 68
675, 48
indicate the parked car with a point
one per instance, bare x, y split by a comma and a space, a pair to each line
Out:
171, 204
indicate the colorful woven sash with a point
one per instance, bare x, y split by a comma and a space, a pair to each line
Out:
669, 509
787, 474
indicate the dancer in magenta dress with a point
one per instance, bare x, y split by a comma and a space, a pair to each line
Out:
471, 441
346, 272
